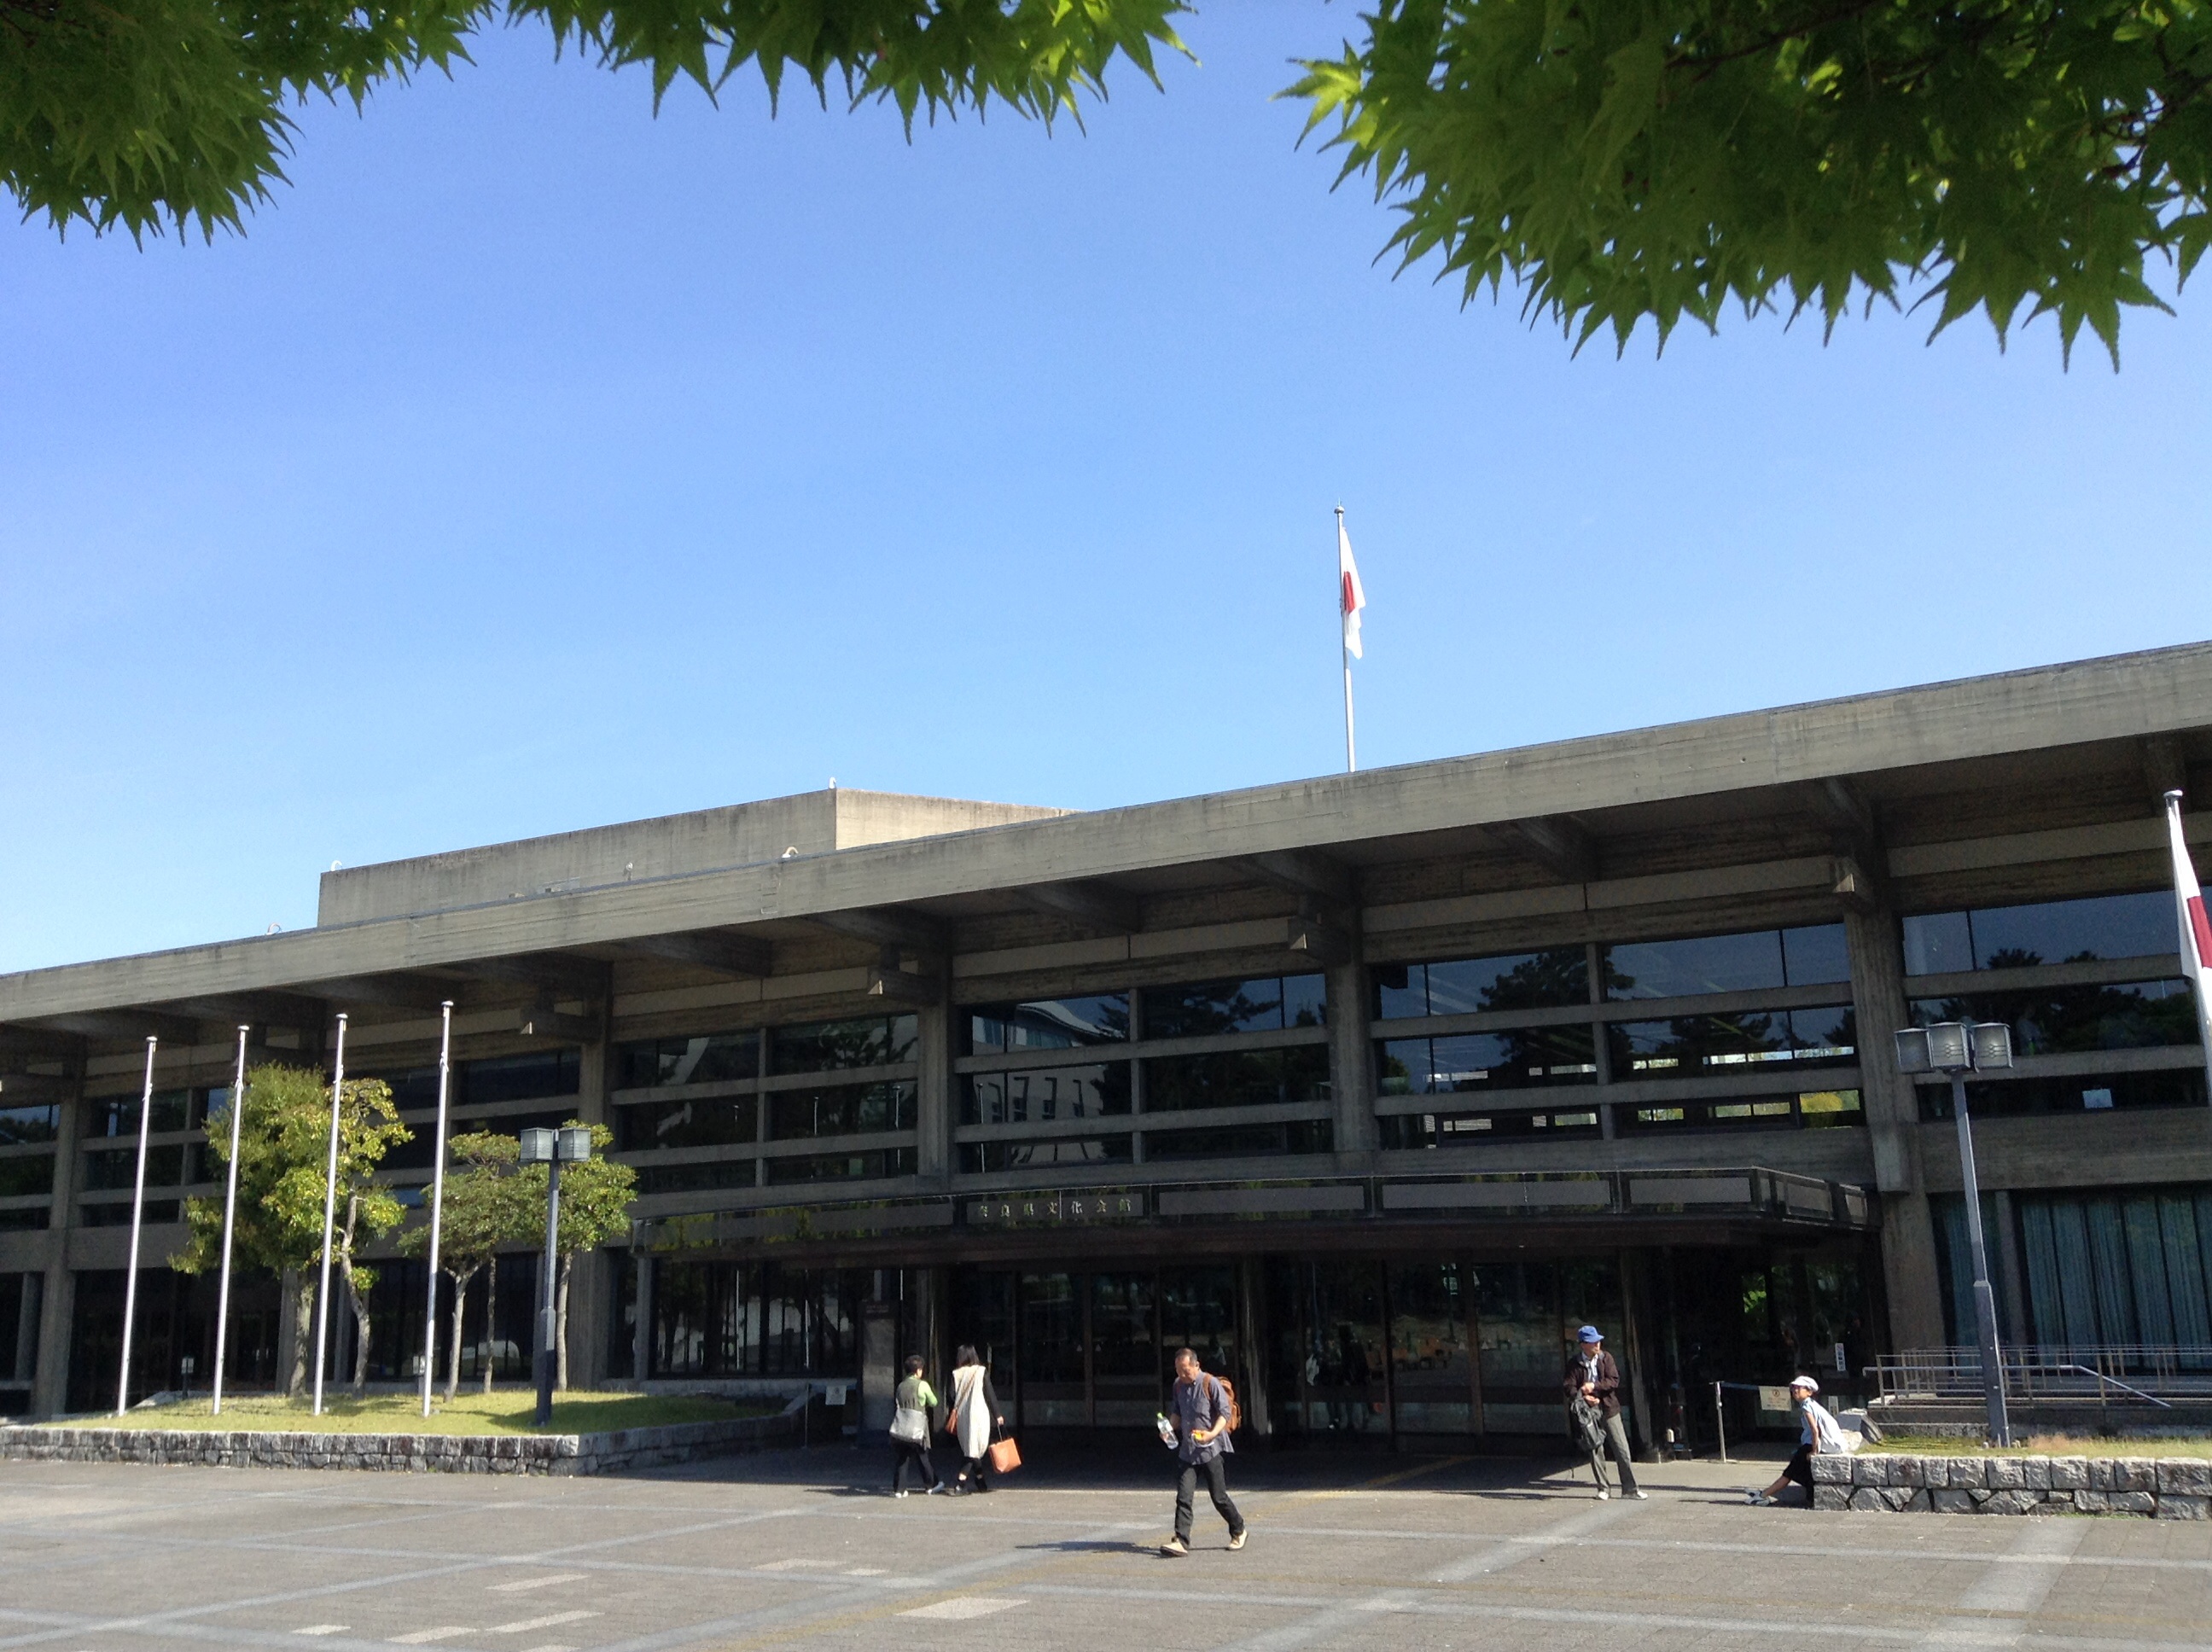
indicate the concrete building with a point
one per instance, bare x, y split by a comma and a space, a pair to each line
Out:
1370, 1086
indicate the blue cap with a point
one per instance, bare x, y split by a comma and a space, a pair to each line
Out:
1589, 1333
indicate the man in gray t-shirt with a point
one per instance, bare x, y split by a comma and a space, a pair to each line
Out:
1199, 1408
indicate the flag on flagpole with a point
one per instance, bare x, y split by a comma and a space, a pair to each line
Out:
1351, 598
2195, 930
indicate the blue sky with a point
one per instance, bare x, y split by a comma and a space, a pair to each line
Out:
534, 463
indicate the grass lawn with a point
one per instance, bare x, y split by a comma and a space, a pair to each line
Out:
2050, 1445
511, 1411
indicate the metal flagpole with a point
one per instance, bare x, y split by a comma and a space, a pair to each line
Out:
229, 1220
1351, 755
2191, 944
330, 1215
437, 1202
138, 1211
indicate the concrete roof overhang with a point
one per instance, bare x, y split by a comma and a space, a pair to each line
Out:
1552, 800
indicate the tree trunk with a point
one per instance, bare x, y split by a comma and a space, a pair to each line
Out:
561, 1326
354, 1298
453, 1351
491, 1320
303, 1319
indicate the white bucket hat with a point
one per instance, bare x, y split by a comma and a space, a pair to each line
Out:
1808, 1383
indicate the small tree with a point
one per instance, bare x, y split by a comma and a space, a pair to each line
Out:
283, 1149
595, 1200
485, 1207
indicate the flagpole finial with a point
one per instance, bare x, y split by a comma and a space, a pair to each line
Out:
2177, 795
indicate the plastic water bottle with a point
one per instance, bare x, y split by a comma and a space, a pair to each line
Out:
1167, 1430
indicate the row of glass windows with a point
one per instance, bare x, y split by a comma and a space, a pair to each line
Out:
1807, 1110
2096, 1093
1218, 1141
1560, 976
1260, 1004
1172, 1084
2045, 932
1550, 1055
792, 1114
29, 1123
813, 1047
487, 1080
23, 1174
2053, 1020
873, 1165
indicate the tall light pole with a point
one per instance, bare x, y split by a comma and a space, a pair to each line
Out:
571, 1144
437, 1198
1956, 1048
330, 1218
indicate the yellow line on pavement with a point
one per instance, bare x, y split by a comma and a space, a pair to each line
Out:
1395, 1478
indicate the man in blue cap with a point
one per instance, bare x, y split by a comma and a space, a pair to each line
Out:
1593, 1386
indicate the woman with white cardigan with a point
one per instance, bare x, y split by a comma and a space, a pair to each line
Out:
975, 1415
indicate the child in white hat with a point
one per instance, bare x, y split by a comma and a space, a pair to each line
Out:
1819, 1433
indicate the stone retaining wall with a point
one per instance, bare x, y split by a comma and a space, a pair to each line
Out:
513, 1454
2167, 1488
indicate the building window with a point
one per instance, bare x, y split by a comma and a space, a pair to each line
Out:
117, 1115
483, 1082
1754, 961
755, 1319
29, 1123
2094, 1093
879, 1165
1042, 1095
718, 1121
1057, 1024
1555, 977
1720, 1043
1809, 1111
1241, 1140
711, 1176
2044, 932
1412, 1130
1480, 1061
1266, 1004
2053, 1020
840, 1110
713, 1058
828, 1045
1176, 1083
982, 1157
23, 1174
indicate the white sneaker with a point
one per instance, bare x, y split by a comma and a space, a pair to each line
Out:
1758, 1499
898, 1494
1603, 1494
1642, 1495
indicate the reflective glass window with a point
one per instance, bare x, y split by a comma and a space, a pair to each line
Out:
116, 1168
1477, 1061
24, 1124
1513, 980
695, 1178
824, 1045
27, 1173
1042, 1093
2047, 931
117, 1115
1402, 991
980, 1157
1240, 1141
520, 1077
840, 1110
2057, 1020
712, 1058
1237, 1078
883, 1162
1815, 955
1055, 1024
708, 1123
1707, 963
1265, 1004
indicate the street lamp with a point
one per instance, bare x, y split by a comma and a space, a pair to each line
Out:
1956, 1048
571, 1144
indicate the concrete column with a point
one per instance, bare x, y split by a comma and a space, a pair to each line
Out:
641, 1346
58, 1296
591, 1294
1351, 1055
2004, 1257
1893, 1115
935, 1109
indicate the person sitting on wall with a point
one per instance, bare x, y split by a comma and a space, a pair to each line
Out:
1819, 1434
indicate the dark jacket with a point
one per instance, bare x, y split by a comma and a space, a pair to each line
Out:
1607, 1385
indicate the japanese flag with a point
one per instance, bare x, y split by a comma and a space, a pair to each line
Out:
1350, 596
2195, 930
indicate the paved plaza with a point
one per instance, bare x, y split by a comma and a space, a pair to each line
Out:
804, 1549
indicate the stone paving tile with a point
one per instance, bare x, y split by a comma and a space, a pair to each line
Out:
802, 1550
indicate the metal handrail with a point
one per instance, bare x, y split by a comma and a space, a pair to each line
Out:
1956, 1373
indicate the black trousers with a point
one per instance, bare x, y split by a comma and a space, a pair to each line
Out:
1800, 1470
972, 1470
1215, 1469
906, 1454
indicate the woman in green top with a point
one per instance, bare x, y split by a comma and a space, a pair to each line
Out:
911, 1406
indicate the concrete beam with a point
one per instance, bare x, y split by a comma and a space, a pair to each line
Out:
126, 1023
908, 988
2165, 768
1306, 871
565, 977
33, 1089
1560, 844
886, 927
541, 1020
255, 1009
739, 957
1098, 908
394, 992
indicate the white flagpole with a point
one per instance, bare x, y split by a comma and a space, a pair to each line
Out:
330, 1216
2190, 938
1351, 752
229, 1220
137, 1213
437, 1202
